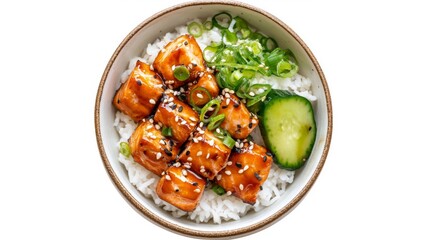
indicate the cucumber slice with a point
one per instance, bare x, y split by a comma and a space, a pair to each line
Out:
288, 128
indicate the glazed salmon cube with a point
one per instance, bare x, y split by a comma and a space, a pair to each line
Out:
181, 187
205, 154
138, 95
183, 51
248, 170
150, 149
205, 89
178, 116
239, 121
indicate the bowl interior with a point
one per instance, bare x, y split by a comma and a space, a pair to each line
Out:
133, 46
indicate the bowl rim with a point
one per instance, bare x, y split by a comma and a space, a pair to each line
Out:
226, 233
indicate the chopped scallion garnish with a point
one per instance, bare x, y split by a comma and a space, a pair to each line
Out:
215, 104
215, 121
125, 149
195, 29
218, 190
181, 73
222, 20
166, 131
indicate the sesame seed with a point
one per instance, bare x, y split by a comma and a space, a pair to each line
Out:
201, 124
170, 104
210, 109
199, 153
264, 158
176, 119
180, 109
192, 124
186, 165
227, 172
253, 121
229, 163
183, 122
162, 173
178, 164
218, 177
168, 177
151, 67
194, 184
211, 143
229, 193
173, 67
157, 127
151, 120
227, 101
241, 187
189, 159
153, 137
197, 190
226, 90
240, 171
170, 99
149, 127
184, 172
199, 95
231, 91
252, 94
200, 138
246, 167
251, 147
227, 95
152, 101
199, 129
217, 130
195, 140
208, 155
201, 132
162, 142
192, 119
257, 176
158, 156
202, 170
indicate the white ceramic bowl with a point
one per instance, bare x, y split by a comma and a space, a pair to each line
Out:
166, 21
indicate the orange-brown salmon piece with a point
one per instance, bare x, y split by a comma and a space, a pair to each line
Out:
205, 154
183, 51
150, 149
138, 95
239, 121
181, 187
248, 171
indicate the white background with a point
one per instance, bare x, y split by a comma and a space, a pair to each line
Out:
52, 181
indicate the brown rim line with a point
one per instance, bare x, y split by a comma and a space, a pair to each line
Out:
210, 234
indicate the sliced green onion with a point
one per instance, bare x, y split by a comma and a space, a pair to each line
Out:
229, 37
249, 74
245, 33
256, 36
215, 121
200, 90
271, 44
225, 137
166, 131
218, 190
181, 73
125, 149
258, 90
195, 29
208, 25
222, 20
286, 68
229, 141
209, 53
235, 65
205, 109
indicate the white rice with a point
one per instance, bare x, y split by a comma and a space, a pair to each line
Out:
212, 207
